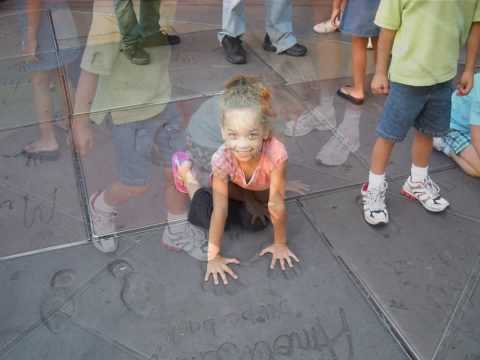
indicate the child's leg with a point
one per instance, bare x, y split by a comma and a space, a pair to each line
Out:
421, 149
468, 160
44, 111
381, 153
359, 65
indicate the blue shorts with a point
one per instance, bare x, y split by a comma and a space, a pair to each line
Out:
457, 140
427, 108
135, 143
358, 18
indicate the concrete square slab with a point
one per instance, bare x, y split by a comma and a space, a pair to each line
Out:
315, 65
160, 307
415, 268
36, 288
356, 125
40, 205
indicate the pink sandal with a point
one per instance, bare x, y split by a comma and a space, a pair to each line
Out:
177, 159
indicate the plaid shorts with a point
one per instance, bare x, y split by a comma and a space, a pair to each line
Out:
457, 140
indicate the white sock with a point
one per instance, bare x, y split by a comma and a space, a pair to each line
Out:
101, 205
375, 180
419, 174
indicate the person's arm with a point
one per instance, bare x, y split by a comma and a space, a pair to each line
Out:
84, 95
465, 84
217, 265
380, 80
337, 7
278, 214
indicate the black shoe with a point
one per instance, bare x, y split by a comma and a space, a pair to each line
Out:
234, 51
296, 50
137, 55
160, 39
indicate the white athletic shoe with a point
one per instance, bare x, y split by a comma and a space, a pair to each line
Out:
440, 145
326, 27
186, 237
425, 192
375, 210
103, 224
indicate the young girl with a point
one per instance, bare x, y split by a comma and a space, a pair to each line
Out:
357, 21
248, 178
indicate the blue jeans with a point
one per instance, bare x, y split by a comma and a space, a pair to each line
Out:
427, 108
278, 21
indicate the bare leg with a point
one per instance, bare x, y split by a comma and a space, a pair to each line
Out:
381, 153
119, 193
188, 178
175, 202
44, 110
421, 149
469, 161
359, 65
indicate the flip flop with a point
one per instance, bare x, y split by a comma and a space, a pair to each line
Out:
350, 98
177, 159
42, 155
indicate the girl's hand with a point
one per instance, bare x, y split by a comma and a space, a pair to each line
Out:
465, 84
218, 266
257, 210
281, 253
380, 85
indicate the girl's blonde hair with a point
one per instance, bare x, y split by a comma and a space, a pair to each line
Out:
248, 92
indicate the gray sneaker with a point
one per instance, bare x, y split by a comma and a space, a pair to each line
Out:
137, 55
103, 224
188, 238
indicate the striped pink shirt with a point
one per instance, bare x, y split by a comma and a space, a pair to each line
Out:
273, 155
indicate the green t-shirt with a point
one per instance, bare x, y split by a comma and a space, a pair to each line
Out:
429, 35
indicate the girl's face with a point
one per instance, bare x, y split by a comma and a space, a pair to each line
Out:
243, 133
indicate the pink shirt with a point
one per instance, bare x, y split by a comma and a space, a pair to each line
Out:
273, 155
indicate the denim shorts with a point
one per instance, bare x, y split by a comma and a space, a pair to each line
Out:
427, 108
135, 142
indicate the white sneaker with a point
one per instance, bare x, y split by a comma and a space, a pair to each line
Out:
103, 223
375, 210
325, 27
186, 237
440, 145
427, 193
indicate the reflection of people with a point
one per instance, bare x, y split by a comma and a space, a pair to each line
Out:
42, 61
419, 94
462, 143
109, 84
248, 177
357, 21
331, 25
279, 36
141, 33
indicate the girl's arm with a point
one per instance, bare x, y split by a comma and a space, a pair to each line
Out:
278, 214
219, 215
218, 266
33, 24
276, 203
465, 84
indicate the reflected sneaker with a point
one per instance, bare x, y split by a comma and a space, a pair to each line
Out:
160, 38
137, 55
103, 223
188, 238
440, 145
320, 118
326, 27
427, 193
375, 210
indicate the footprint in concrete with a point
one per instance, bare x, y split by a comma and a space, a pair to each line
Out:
140, 294
59, 306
